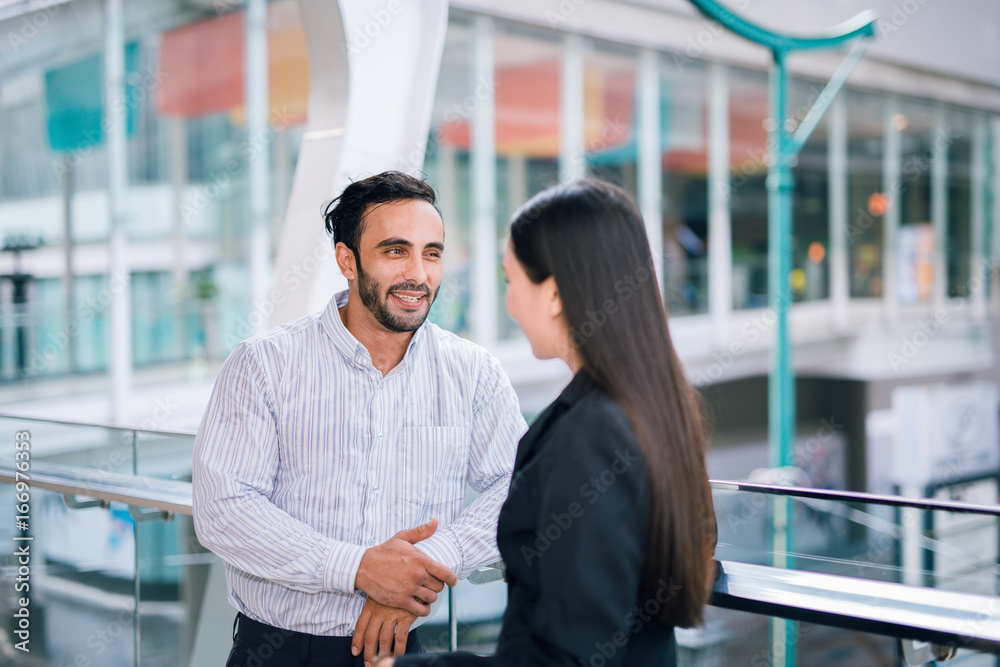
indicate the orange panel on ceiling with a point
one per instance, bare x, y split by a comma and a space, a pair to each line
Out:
747, 136
201, 67
527, 111
527, 99
191, 87
610, 108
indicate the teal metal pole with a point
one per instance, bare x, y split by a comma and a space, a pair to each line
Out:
780, 184
782, 149
781, 382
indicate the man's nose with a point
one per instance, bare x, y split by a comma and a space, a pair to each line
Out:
414, 270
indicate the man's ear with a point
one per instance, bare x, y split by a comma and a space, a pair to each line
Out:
346, 261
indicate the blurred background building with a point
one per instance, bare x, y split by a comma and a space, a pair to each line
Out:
896, 320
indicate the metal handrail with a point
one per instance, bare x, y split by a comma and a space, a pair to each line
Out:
168, 495
110, 427
946, 618
857, 497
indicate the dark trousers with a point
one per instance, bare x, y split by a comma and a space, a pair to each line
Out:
257, 644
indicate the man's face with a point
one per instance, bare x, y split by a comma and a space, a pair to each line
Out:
400, 270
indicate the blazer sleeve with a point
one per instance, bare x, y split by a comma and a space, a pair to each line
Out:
590, 552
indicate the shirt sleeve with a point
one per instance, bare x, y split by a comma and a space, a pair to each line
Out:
469, 542
236, 459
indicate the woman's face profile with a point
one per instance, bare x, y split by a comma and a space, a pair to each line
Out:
535, 307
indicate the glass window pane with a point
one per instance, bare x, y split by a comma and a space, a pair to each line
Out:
866, 200
448, 170
748, 172
958, 128
811, 201
609, 106
684, 156
915, 241
528, 70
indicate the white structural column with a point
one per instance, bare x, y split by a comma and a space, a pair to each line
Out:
178, 180
68, 180
839, 267
650, 160
978, 275
119, 284
373, 68
259, 139
993, 179
484, 192
281, 181
177, 134
720, 222
447, 167
939, 207
517, 179
891, 184
572, 147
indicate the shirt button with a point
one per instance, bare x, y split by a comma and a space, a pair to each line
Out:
379, 436
376, 488
371, 541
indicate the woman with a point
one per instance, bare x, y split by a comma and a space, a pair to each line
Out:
608, 531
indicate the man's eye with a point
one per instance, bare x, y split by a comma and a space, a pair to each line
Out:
395, 251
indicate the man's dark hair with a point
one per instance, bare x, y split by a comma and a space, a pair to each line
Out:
345, 215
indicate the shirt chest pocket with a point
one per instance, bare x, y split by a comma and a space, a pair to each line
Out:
434, 461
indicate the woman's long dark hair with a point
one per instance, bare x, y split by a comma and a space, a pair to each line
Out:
590, 236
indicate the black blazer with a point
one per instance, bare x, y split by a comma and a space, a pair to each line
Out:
573, 535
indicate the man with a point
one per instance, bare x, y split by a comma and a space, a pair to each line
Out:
331, 464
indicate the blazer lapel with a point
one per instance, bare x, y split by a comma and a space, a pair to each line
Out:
529, 441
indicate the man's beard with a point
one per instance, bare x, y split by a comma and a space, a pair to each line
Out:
378, 304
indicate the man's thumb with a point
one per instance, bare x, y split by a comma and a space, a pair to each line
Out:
421, 532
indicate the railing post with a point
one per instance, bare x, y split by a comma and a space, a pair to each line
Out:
452, 620
119, 278
135, 539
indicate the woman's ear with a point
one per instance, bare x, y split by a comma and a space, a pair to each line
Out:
552, 297
345, 261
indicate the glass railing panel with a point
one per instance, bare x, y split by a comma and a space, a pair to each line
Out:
173, 573
104, 450
735, 638
72, 603
166, 455
931, 547
479, 610
110, 577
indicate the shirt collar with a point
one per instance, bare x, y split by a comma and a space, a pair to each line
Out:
345, 341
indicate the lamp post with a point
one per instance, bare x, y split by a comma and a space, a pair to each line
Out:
20, 281
784, 144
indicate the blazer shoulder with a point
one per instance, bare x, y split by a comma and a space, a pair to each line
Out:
596, 423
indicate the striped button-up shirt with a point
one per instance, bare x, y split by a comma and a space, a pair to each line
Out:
307, 456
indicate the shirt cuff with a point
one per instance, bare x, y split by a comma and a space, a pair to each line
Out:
443, 547
342, 567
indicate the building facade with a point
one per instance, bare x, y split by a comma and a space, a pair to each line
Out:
896, 198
